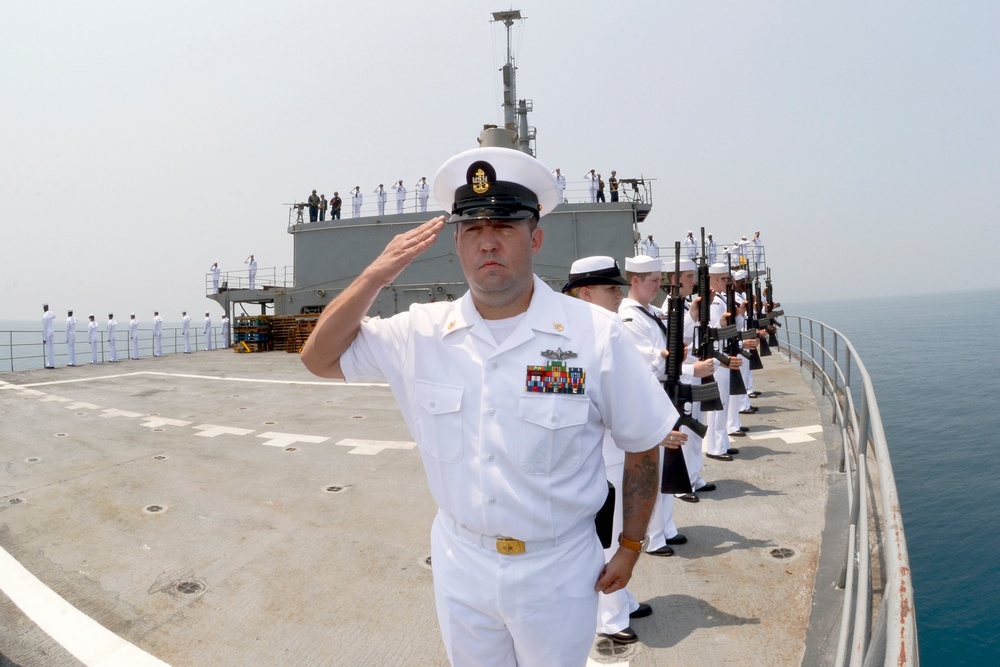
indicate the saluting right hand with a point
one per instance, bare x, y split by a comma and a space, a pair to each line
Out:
403, 249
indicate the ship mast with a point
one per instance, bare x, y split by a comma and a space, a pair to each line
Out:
515, 112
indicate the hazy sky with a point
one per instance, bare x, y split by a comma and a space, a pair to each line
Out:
142, 141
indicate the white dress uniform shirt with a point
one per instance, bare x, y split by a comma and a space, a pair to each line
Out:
400, 197
502, 460
380, 197
71, 340
133, 336
158, 336
561, 187
356, 199
423, 192
186, 333
208, 332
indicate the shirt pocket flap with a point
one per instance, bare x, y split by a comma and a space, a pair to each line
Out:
438, 399
554, 413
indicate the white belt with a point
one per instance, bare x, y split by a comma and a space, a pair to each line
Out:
511, 546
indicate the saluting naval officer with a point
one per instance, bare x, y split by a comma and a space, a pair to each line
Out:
507, 391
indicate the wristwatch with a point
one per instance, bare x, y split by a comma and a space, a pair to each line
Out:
632, 544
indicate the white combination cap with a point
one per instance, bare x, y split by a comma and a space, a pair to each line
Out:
495, 184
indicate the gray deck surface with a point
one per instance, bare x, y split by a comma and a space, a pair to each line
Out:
253, 559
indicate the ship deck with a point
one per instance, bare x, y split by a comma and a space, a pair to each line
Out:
232, 509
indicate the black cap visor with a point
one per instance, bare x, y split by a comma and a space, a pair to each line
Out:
503, 201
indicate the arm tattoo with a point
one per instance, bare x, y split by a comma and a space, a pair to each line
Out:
640, 479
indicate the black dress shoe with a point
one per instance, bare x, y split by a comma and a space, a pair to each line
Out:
749, 411
662, 551
643, 611
732, 451
720, 457
626, 636
708, 487
744, 428
753, 394
677, 539
687, 497
738, 434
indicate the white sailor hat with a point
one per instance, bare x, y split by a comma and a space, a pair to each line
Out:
740, 275
643, 264
494, 183
686, 265
718, 269
597, 270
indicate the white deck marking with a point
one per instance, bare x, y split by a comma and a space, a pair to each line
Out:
157, 422
212, 430
373, 447
89, 641
80, 405
52, 398
109, 413
286, 439
789, 435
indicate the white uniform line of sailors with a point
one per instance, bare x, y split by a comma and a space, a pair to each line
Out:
111, 327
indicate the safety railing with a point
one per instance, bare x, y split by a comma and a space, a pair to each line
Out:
873, 551
23, 350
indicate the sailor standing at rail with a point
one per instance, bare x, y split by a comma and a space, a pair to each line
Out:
400, 195
71, 338
380, 197
507, 391
593, 179
157, 334
92, 339
186, 331
133, 335
713, 249
598, 280
251, 270
690, 245
215, 277
48, 335
423, 192
644, 322
560, 185
356, 199
112, 343
208, 332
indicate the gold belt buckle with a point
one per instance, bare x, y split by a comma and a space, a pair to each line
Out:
509, 546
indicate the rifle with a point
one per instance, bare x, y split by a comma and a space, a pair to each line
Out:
706, 335
754, 307
772, 338
676, 478
736, 385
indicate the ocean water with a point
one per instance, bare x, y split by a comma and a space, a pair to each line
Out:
933, 363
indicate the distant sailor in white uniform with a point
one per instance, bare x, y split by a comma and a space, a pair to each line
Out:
380, 197
112, 343
208, 332
157, 334
690, 248
251, 270
713, 249
225, 331
48, 335
71, 338
186, 331
758, 248
92, 338
507, 391
423, 192
649, 247
356, 199
593, 180
400, 195
216, 272
716, 444
560, 185
133, 335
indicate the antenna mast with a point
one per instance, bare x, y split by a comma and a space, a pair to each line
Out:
515, 112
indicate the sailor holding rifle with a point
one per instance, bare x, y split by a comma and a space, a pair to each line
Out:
507, 391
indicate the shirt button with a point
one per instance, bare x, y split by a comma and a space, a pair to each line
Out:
490, 457
494, 365
492, 412
432, 404
493, 501
554, 418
